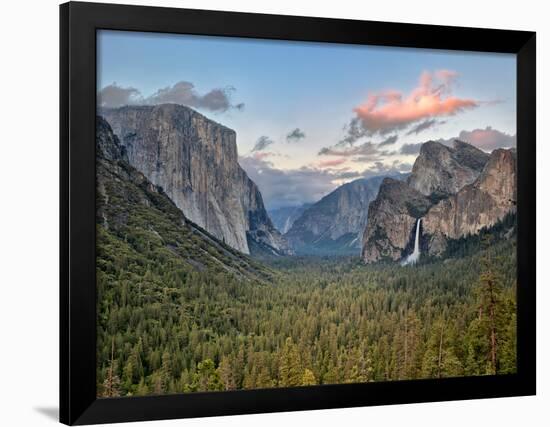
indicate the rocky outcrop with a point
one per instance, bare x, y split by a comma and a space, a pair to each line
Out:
392, 218
458, 191
480, 204
262, 236
195, 161
440, 170
335, 223
108, 146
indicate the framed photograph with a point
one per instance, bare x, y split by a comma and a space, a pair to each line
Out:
267, 213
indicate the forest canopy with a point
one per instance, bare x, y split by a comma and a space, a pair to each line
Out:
316, 321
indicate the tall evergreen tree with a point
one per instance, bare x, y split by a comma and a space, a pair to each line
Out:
440, 359
290, 372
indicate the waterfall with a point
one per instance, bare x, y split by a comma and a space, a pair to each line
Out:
413, 258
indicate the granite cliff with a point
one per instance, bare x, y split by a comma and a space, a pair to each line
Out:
440, 170
456, 191
195, 161
392, 217
480, 204
136, 220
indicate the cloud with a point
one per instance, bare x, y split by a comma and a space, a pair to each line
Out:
388, 141
354, 132
410, 149
380, 169
117, 96
293, 187
363, 153
365, 149
332, 162
289, 187
391, 110
488, 139
422, 126
262, 143
348, 174
295, 136
183, 92
261, 155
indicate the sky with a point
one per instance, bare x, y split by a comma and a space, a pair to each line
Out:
312, 116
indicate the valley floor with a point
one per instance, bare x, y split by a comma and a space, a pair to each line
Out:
166, 328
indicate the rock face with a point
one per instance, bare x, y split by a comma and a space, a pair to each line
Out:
108, 146
392, 218
195, 161
480, 204
334, 225
456, 191
284, 217
440, 170
133, 212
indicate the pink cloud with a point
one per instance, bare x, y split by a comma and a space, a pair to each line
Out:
390, 110
488, 139
332, 162
446, 76
261, 155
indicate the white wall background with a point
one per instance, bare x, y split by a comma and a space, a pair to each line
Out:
29, 211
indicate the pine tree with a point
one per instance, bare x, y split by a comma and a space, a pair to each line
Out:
333, 373
238, 367
157, 382
111, 386
166, 370
263, 378
508, 337
440, 359
142, 389
206, 378
225, 371
308, 378
358, 366
491, 335
128, 375
407, 347
290, 372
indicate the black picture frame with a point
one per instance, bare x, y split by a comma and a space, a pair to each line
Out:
78, 25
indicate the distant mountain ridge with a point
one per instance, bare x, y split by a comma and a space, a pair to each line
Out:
335, 224
457, 191
195, 161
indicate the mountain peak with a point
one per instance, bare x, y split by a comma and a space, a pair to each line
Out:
175, 113
441, 170
469, 155
433, 147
